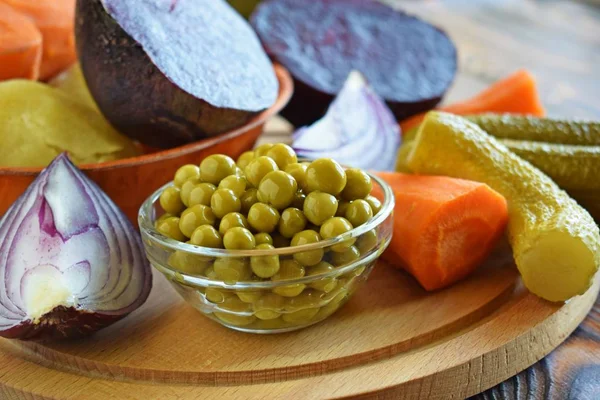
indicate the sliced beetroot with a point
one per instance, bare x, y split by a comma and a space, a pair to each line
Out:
407, 61
168, 72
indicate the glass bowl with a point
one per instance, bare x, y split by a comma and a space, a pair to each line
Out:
298, 296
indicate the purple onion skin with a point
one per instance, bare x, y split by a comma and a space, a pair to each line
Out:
89, 210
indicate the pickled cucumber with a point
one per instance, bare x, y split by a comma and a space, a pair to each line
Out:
572, 167
548, 130
556, 244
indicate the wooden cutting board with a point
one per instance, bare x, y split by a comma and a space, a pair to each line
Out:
392, 340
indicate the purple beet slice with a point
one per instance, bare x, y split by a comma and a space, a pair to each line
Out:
169, 72
407, 61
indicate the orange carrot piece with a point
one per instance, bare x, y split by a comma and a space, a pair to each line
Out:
516, 94
20, 45
443, 227
56, 20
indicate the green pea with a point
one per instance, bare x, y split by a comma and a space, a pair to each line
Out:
244, 159
374, 203
367, 241
298, 171
216, 167
277, 188
358, 185
269, 306
186, 190
346, 257
289, 270
206, 236
359, 212
282, 154
201, 194
232, 220
235, 320
300, 317
291, 222
261, 150
325, 284
310, 257
307, 299
334, 227
217, 296
249, 296
170, 228
256, 170
184, 173
238, 239
319, 207
264, 266
224, 201
325, 175
263, 217
195, 216
248, 199
263, 238
170, 201
232, 270
189, 263
237, 184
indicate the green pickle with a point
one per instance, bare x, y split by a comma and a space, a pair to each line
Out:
549, 130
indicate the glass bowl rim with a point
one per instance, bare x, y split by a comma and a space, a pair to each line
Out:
147, 229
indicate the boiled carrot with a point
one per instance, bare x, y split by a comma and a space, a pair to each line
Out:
515, 94
20, 45
56, 20
443, 227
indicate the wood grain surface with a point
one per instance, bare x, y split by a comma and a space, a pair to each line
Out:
392, 340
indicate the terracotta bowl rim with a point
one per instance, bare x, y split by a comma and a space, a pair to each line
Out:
286, 89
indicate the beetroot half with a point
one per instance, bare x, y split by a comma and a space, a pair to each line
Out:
170, 72
71, 262
407, 61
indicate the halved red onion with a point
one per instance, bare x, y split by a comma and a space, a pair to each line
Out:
358, 129
71, 263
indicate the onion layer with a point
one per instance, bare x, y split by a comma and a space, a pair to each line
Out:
358, 130
71, 262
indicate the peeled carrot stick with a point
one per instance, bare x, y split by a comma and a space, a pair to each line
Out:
516, 94
443, 227
20, 45
56, 20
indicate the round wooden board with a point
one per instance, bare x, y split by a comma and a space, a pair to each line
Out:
392, 340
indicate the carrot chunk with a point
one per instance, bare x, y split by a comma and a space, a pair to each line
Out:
443, 227
516, 94
20, 45
55, 19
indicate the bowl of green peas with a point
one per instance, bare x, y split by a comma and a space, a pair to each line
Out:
267, 243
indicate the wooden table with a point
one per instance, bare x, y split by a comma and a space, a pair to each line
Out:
559, 41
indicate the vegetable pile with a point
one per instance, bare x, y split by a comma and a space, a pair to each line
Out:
556, 243
72, 263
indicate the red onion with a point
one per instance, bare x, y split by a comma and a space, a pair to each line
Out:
358, 130
71, 261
